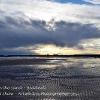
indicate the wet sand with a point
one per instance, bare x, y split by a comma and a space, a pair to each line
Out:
52, 79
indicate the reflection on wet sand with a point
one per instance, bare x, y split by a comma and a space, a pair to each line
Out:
75, 79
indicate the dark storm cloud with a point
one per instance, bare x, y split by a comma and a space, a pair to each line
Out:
14, 34
72, 33
14, 52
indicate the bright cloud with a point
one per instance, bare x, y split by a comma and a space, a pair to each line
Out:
90, 44
47, 10
51, 49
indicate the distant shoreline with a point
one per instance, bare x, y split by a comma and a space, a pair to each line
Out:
38, 59
86, 55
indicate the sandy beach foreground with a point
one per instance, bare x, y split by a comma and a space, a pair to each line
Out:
49, 78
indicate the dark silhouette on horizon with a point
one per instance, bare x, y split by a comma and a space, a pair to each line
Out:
76, 55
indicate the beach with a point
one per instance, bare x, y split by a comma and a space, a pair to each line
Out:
43, 78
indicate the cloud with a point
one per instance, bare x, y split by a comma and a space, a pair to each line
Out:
14, 34
93, 1
27, 23
51, 49
90, 44
46, 10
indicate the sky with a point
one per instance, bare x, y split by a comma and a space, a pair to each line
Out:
63, 27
